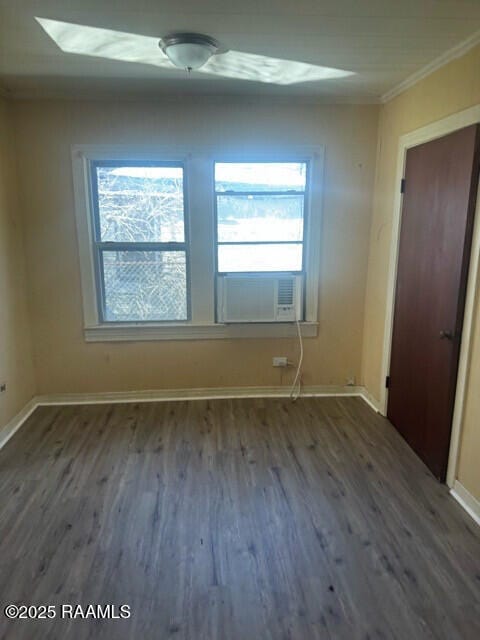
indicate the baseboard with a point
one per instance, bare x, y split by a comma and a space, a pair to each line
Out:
466, 500
7, 431
165, 395
369, 399
209, 393
458, 491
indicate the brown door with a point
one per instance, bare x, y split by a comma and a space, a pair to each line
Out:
440, 187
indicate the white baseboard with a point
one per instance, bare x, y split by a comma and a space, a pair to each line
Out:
210, 393
7, 431
458, 491
466, 500
370, 400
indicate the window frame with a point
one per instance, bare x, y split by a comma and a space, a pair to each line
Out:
99, 246
305, 221
200, 227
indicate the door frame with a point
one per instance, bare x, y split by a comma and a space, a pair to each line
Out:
428, 133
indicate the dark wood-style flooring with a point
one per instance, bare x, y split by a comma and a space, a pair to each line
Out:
232, 520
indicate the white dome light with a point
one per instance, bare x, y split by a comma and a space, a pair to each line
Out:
188, 50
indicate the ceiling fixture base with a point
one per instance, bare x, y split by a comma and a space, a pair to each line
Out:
189, 50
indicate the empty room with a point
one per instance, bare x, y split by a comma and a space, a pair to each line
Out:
239, 320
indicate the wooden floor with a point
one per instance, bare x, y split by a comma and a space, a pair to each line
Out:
232, 520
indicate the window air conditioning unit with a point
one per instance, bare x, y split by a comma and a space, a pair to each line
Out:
260, 298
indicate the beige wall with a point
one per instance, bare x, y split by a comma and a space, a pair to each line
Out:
16, 368
352, 306
65, 363
452, 88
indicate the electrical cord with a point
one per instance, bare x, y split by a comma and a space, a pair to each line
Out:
294, 392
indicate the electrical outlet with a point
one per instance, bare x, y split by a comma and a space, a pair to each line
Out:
351, 381
3, 387
280, 361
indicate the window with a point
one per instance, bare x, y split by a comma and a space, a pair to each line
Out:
140, 245
164, 233
260, 211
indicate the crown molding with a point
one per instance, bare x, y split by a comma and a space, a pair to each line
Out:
455, 52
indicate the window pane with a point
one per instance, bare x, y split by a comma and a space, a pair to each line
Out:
258, 218
260, 257
140, 203
260, 176
145, 285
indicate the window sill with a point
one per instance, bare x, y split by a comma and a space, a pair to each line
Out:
153, 332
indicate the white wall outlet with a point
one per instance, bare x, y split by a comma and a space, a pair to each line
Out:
280, 361
351, 381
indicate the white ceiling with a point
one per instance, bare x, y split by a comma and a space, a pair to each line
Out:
382, 41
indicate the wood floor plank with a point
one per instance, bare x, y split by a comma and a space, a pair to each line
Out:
232, 520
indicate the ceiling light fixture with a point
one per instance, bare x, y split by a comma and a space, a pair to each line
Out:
189, 50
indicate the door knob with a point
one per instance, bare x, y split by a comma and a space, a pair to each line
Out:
446, 335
